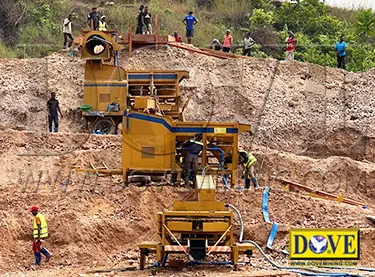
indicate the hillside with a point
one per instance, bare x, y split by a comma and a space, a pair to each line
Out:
33, 28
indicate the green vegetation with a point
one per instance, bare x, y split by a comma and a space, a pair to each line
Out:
33, 28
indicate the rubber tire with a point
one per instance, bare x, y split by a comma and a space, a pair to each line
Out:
143, 179
105, 125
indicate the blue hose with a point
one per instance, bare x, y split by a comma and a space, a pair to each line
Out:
265, 205
302, 271
221, 161
272, 236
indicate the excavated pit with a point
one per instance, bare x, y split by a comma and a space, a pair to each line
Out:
312, 125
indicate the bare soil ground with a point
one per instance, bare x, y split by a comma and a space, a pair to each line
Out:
312, 125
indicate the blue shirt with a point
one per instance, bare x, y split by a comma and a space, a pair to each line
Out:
341, 46
190, 20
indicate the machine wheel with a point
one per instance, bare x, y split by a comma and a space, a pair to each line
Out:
158, 178
106, 125
139, 179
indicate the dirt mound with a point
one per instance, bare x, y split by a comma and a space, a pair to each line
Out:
30, 158
335, 175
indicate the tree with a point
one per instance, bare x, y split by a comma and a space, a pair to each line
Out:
261, 18
299, 16
11, 14
366, 22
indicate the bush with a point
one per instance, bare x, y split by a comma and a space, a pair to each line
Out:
6, 52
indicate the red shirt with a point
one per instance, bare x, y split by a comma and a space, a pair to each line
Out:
178, 38
228, 40
291, 42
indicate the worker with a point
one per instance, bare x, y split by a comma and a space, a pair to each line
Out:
103, 23
53, 107
147, 21
247, 160
341, 52
40, 232
248, 43
194, 147
215, 45
177, 37
190, 20
93, 19
140, 23
67, 31
227, 42
291, 42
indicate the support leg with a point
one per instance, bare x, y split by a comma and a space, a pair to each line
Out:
142, 259
159, 254
235, 257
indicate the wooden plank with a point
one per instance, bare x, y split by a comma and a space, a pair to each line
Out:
196, 50
323, 194
218, 52
224, 54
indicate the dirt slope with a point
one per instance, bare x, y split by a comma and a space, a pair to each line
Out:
27, 84
104, 222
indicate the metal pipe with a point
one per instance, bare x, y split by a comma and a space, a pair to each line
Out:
225, 233
100, 39
116, 58
239, 217
127, 113
221, 162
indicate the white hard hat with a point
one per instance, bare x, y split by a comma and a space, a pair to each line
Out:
103, 16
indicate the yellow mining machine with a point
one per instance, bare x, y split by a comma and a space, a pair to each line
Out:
197, 230
153, 132
109, 89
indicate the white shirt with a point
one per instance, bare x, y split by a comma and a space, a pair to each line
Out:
68, 28
248, 42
